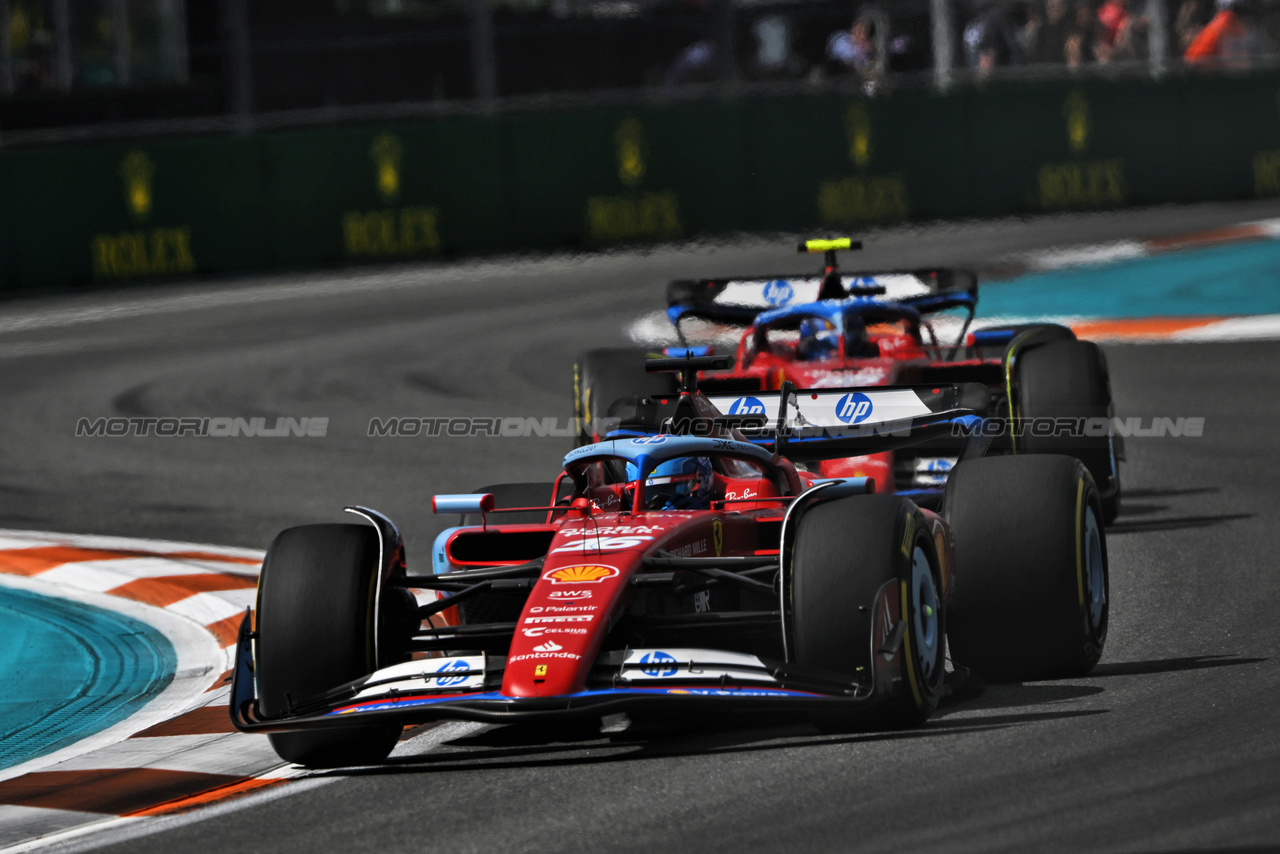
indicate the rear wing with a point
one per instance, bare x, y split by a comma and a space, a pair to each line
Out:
818, 424
738, 301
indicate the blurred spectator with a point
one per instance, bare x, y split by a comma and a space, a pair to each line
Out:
989, 41
857, 50
695, 64
1231, 37
1044, 36
1112, 30
1189, 22
1078, 45
774, 58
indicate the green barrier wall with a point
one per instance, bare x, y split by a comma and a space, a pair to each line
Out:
596, 177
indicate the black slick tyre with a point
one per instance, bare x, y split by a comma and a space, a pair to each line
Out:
1069, 379
314, 632
601, 377
845, 551
1031, 587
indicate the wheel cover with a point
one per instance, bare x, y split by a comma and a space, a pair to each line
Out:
925, 633
1095, 585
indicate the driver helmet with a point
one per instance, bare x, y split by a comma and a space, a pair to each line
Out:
818, 339
857, 344
683, 483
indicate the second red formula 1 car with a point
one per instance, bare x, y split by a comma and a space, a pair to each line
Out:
1051, 393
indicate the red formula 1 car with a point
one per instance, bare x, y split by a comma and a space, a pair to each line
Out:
686, 565
1051, 393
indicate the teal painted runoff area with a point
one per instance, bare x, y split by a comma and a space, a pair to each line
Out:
71, 670
1236, 279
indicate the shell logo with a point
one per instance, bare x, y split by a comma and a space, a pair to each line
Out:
585, 574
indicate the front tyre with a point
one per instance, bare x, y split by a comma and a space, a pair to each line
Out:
315, 627
845, 551
1030, 599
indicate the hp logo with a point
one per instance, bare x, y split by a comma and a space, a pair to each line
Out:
853, 408
658, 664
444, 681
778, 292
746, 406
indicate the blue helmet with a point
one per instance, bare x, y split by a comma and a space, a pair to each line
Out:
683, 483
818, 339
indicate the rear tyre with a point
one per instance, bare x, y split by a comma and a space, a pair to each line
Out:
601, 377
1069, 379
315, 632
845, 551
1030, 594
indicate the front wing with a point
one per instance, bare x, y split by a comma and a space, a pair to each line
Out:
679, 680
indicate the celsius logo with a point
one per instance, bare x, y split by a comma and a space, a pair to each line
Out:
853, 408
746, 406
444, 681
549, 646
778, 292
659, 664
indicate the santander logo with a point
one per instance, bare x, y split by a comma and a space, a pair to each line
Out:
549, 646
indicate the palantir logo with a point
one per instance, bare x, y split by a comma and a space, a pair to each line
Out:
853, 408
746, 406
778, 292
659, 664
445, 681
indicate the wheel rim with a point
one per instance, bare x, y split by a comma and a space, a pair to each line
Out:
924, 617
1095, 582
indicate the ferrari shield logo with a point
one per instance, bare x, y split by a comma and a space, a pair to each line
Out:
540, 670
717, 536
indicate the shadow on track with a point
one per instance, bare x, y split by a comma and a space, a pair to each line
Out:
1014, 694
1174, 523
1170, 665
514, 746
1167, 493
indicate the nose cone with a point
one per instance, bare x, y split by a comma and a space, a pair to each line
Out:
563, 624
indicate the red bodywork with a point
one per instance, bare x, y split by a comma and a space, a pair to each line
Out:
901, 359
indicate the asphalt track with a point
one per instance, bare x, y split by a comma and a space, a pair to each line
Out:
1172, 744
